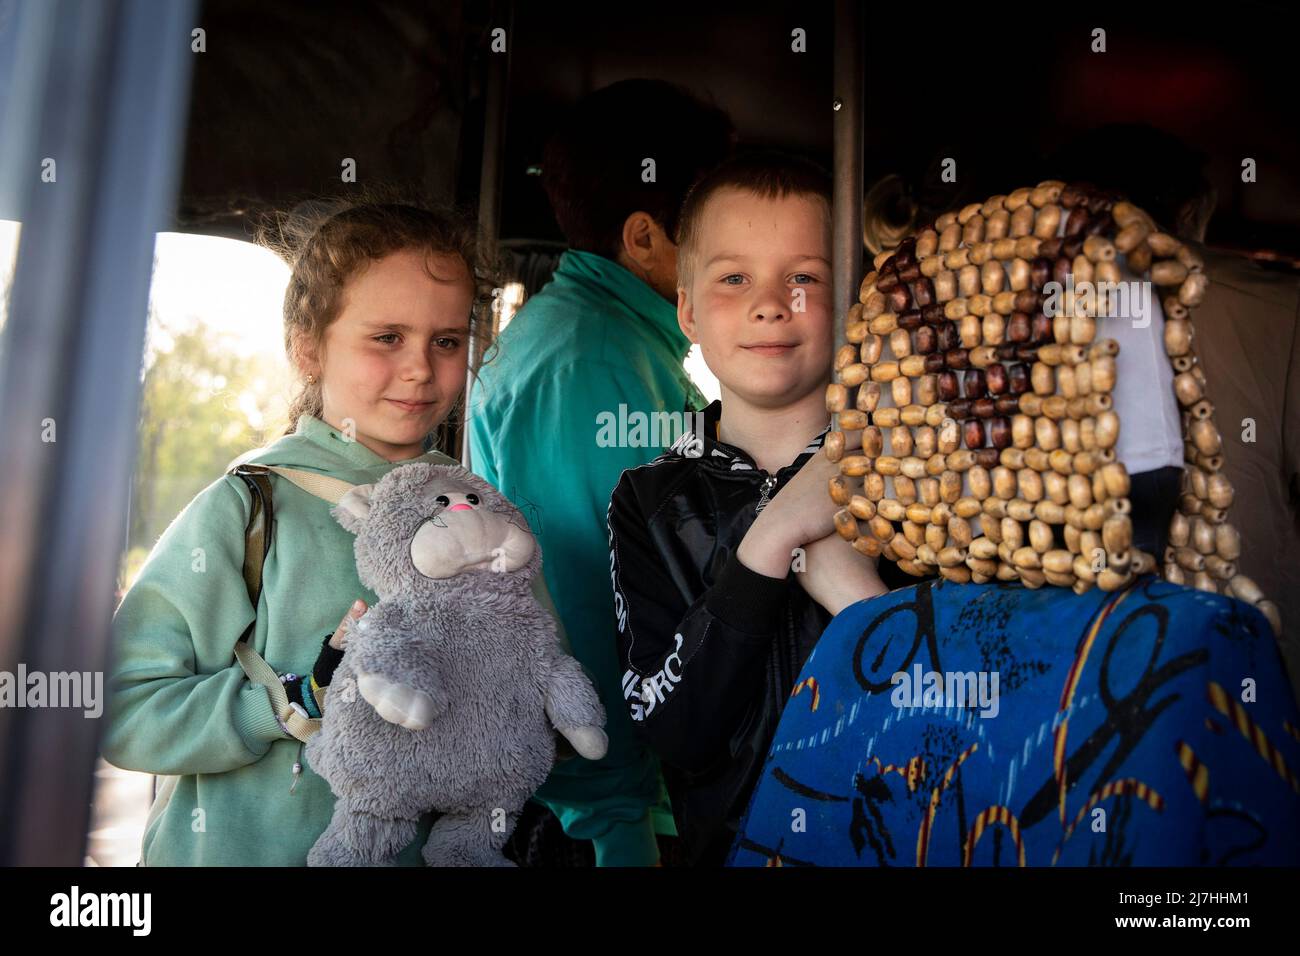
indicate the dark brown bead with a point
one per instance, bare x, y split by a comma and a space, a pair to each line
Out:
1018, 327
1040, 329
1072, 247
934, 362
1026, 300
972, 383
1040, 270
1100, 202
922, 292
1007, 352
947, 386
988, 457
959, 408
1077, 219
1027, 353
957, 358
972, 431
898, 298
933, 315
909, 273
1000, 433
1006, 404
904, 257
1073, 194
1097, 225
1050, 248
911, 319
926, 339
1061, 267
949, 336
982, 407
1018, 379
995, 376
886, 282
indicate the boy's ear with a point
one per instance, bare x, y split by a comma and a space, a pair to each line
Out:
686, 315
353, 508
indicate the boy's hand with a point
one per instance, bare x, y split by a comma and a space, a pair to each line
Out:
801, 512
836, 576
340, 639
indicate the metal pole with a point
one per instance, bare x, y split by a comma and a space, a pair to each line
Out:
491, 177
94, 185
846, 214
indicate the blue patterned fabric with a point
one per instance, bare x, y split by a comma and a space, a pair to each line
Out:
1149, 727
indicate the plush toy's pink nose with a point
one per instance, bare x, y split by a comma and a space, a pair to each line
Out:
460, 507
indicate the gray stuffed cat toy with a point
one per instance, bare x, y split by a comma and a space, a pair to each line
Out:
459, 672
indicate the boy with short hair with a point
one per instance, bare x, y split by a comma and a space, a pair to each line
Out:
725, 564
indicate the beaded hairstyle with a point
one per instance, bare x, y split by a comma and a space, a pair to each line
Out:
959, 340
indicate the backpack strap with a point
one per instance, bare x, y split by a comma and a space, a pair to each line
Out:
257, 544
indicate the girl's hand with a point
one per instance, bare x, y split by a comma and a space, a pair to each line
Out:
340, 639
835, 575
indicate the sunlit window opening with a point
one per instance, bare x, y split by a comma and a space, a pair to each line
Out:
215, 383
9, 231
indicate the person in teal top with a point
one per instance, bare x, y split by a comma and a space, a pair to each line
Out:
585, 367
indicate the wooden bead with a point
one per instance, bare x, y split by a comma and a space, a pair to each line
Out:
855, 465
837, 397
868, 396
1115, 478
882, 372
1080, 490
1040, 536
881, 528
840, 489
873, 486
1106, 429
846, 525
891, 509
1026, 557
1030, 484
852, 419
834, 446
861, 507
1246, 589
873, 442
1109, 580
1047, 220
868, 545
1227, 542
1178, 337
1205, 436
855, 374
902, 547
1192, 291
1117, 534
1163, 244
1219, 491
900, 390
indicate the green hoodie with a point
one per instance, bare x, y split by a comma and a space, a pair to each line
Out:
180, 705
596, 337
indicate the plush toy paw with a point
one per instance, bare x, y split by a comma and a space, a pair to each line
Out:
590, 742
397, 703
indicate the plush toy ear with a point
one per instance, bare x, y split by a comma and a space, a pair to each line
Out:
353, 508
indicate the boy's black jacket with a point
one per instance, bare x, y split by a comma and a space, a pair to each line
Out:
710, 649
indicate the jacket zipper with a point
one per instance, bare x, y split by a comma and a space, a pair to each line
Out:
768, 483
